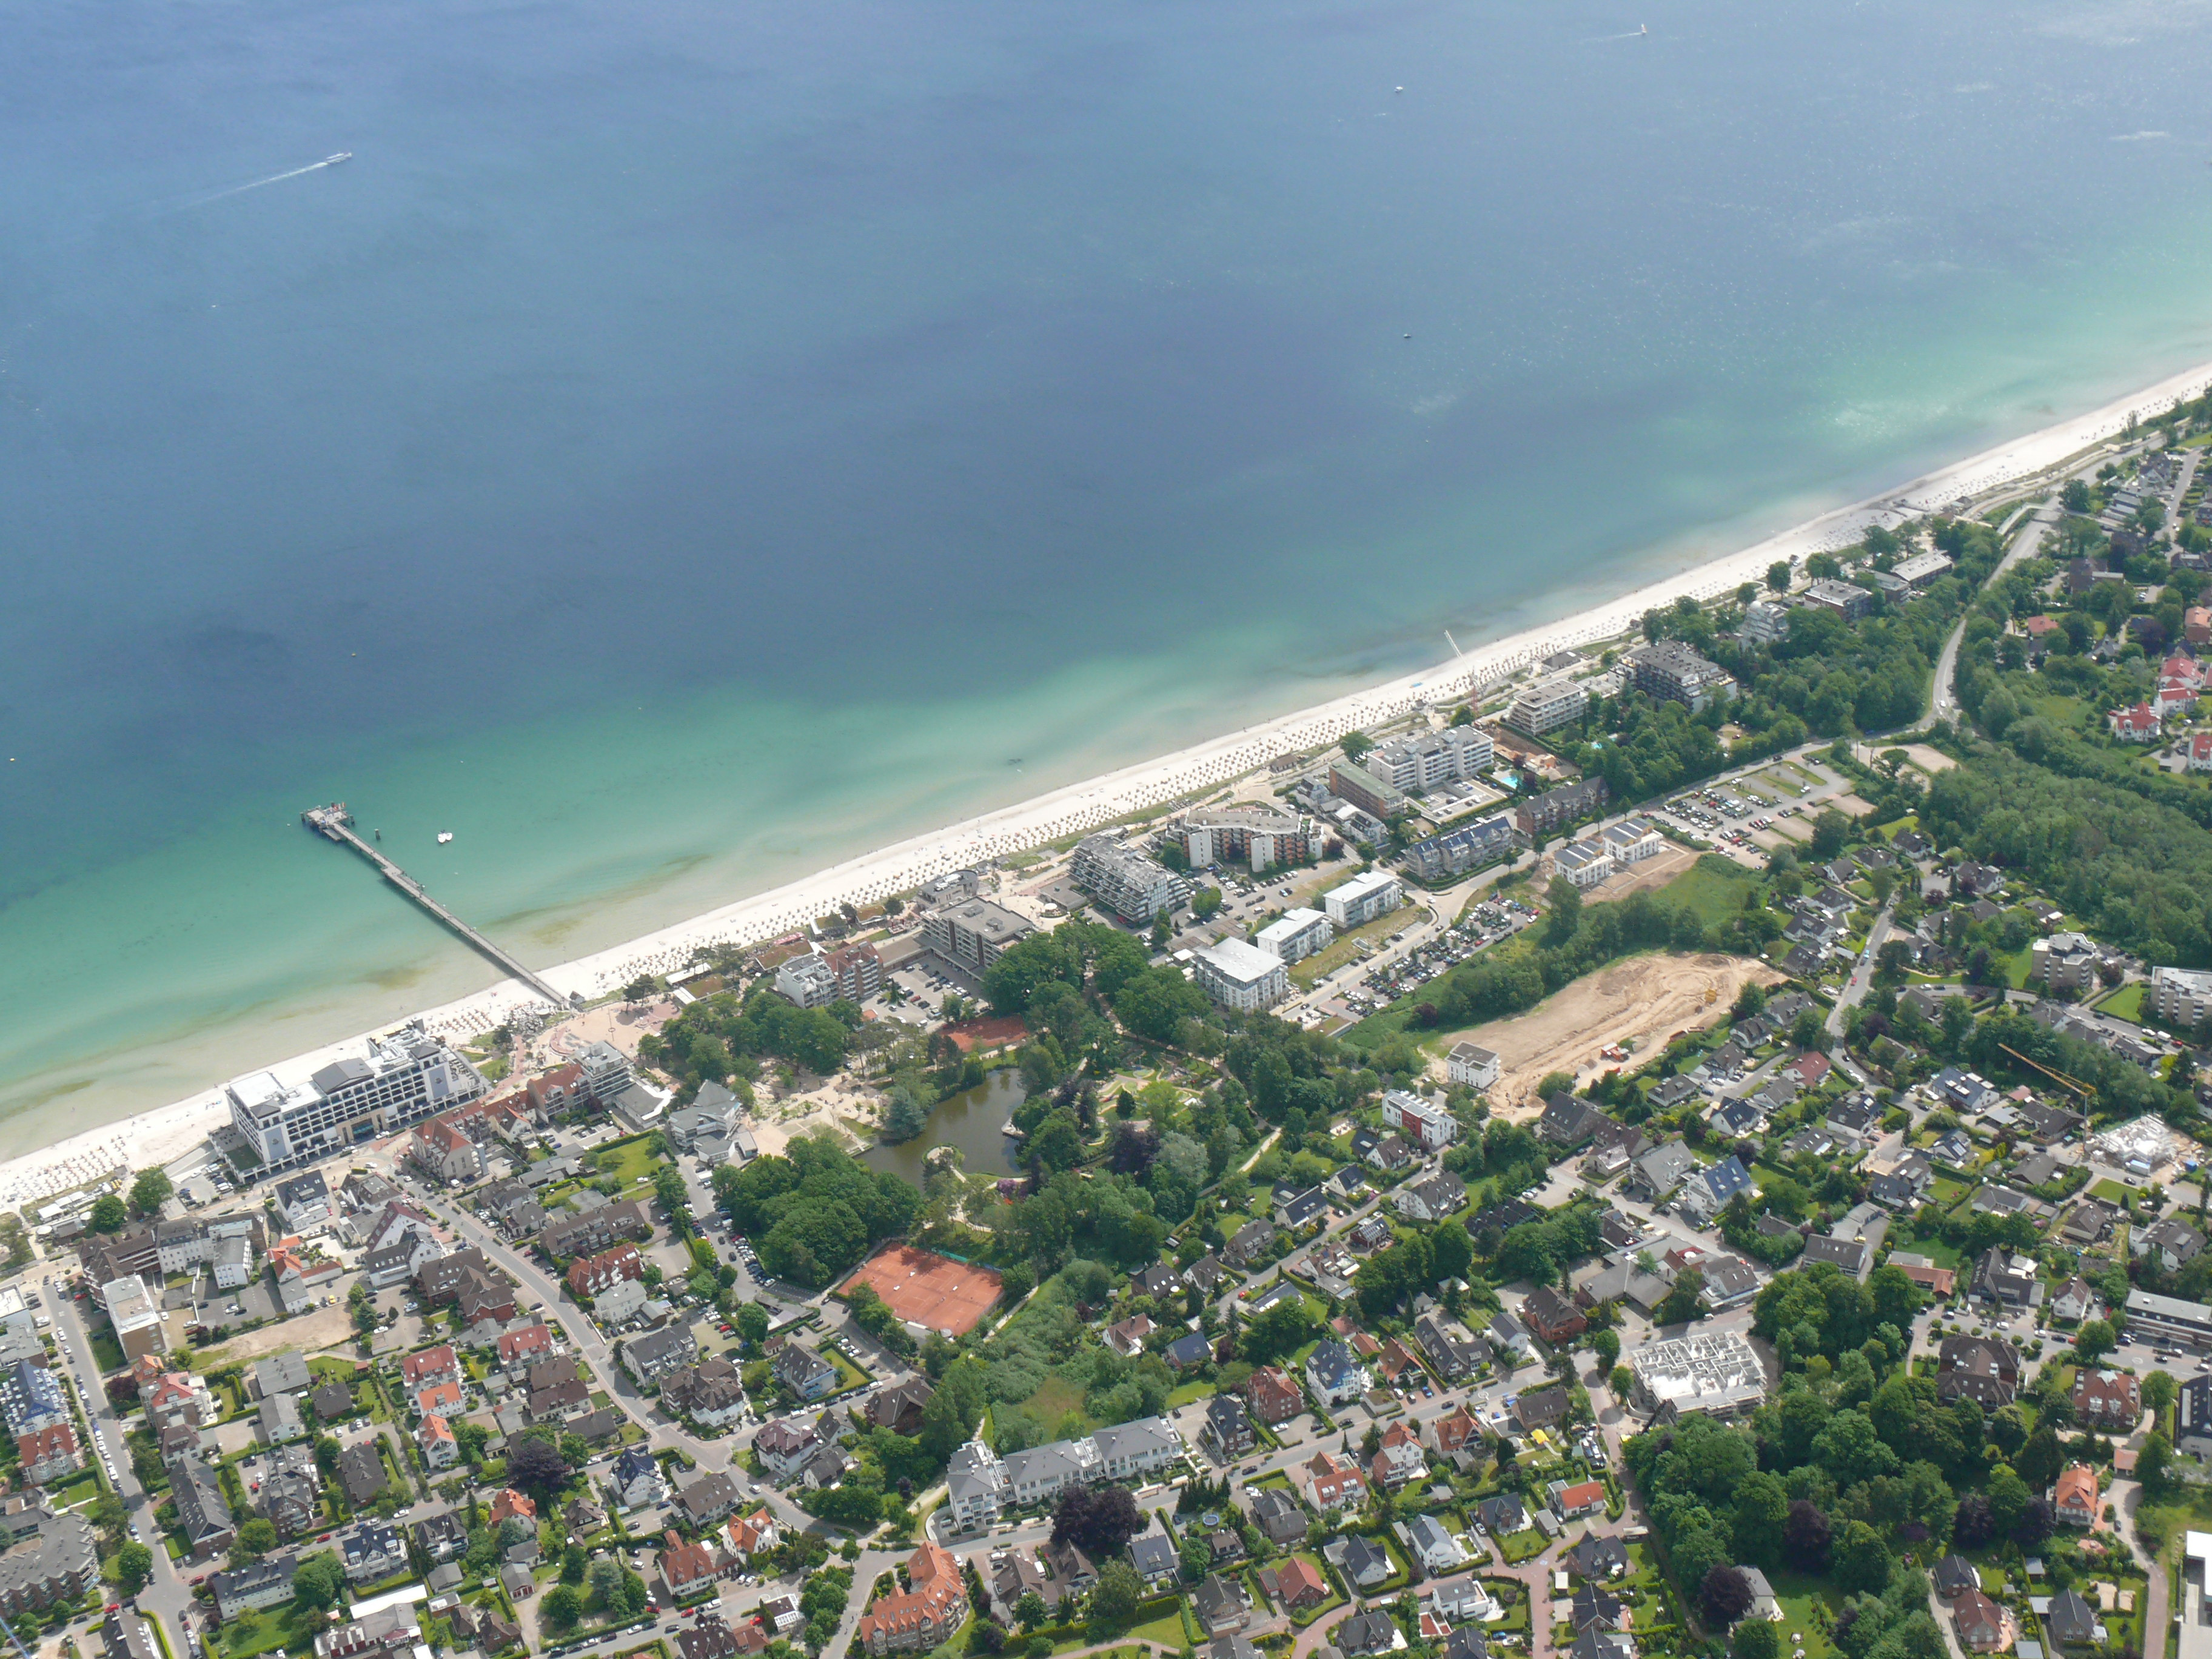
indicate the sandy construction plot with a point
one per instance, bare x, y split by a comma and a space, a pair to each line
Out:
308, 1332
1655, 871
1644, 999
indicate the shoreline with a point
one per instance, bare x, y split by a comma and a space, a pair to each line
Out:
167, 1132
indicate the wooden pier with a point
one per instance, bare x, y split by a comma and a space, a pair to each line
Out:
336, 823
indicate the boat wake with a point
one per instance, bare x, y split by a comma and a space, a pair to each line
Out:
273, 179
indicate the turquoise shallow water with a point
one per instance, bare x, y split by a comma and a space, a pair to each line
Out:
686, 444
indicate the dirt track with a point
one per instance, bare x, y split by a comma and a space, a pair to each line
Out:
1644, 999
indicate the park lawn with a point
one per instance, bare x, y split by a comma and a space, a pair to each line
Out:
1055, 1397
1796, 1593
261, 1632
1714, 887
1520, 1547
630, 1162
1168, 1631
2126, 1003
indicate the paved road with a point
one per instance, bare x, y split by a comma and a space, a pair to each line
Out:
2030, 537
1862, 976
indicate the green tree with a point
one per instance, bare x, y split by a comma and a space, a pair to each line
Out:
1756, 1638
2008, 1497
1862, 1560
563, 1606
1606, 1345
1778, 576
256, 1538
905, 1117
2159, 1390
1114, 1603
1356, 745
1829, 830
752, 1323
1206, 903
1622, 1381
1682, 1301
1762, 1510
108, 1214
319, 1581
1031, 1611
2094, 1341
150, 1191
1197, 1557
1565, 902
134, 1565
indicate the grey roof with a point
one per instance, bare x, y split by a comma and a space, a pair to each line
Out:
283, 1373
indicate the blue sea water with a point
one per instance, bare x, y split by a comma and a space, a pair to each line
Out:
691, 442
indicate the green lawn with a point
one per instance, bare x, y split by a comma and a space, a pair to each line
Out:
1797, 1592
1168, 1631
1714, 887
2126, 1003
106, 1351
1522, 1546
1187, 1392
631, 1162
1055, 1397
2111, 1192
261, 1633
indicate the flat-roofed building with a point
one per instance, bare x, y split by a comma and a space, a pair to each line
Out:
398, 1080
2182, 997
973, 933
1765, 622
1241, 976
1846, 599
1365, 790
1921, 569
807, 981
1362, 899
1421, 763
135, 1312
2169, 1318
1670, 670
1471, 1066
1547, 706
1261, 836
1713, 1374
1133, 884
1295, 934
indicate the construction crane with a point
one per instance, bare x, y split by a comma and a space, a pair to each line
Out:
2083, 1091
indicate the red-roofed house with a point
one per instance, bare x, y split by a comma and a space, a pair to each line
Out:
1810, 1068
2075, 1502
1587, 1498
1395, 1360
441, 1450
2197, 624
1333, 1484
933, 1606
2040, 629
534, 1343
1294, 1585
2172, 697
1273, 1397
508, 1502
751, 1534
2138, 724
594, 1273
439, 1398
49, 1454
2187, 669
555, 1090
2200, 751
1448, 1434
687, 1568
443, 1150
438, 1364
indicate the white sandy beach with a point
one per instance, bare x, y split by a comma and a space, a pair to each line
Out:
158, 1136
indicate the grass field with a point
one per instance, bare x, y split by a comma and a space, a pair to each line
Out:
1797, 1592
1343, 948
2126, 1003
1053, 1399
1168, 1631
630, 1162
1713, 887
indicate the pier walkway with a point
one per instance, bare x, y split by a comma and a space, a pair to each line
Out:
335, 822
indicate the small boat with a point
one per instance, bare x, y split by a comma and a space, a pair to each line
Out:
342, 156
444, 835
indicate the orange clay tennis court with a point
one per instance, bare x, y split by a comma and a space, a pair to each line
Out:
930, 1291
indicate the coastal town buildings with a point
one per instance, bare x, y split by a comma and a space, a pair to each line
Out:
400, 1078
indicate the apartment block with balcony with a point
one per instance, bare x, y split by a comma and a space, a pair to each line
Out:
397, 1081
1547, 706
1672, 671
972, 934
1127, 880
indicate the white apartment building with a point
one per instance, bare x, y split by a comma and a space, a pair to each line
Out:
2180, 996
1585, 863
403, 1078
1471, 1066
1241, 976
1422, 761
1134, 886
1424, 1122
135, 1312
1765, 622
1263, 837
194, 1239
980, 1485
1362, 899
1716, 1374
1547, 706
1295, 934
971, 934
1632, 840
807, 981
